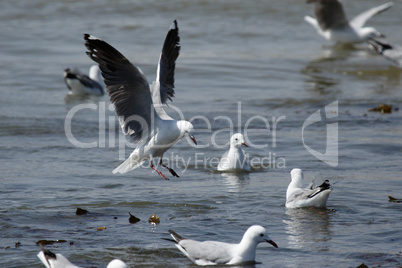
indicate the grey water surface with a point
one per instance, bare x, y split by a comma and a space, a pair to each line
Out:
249, 66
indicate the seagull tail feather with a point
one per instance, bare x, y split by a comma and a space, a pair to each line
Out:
127, 165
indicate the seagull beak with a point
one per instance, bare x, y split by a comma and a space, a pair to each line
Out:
272, 243
193, 139
245, 144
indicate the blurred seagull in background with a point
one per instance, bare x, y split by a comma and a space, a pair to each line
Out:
390, 52
82, 84
297, 196
332, 24
215, 252
139, 105
51, 260
235, 158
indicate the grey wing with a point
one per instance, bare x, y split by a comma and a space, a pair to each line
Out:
88, 82
390, 52
212, 251
74, 73
297, 195
312, 193
362, 18
330, 14
324, 186
127, 87
394, 55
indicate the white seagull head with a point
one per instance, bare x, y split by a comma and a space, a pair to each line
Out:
369, 33
237, 140
186, 128
257, 234
296, 176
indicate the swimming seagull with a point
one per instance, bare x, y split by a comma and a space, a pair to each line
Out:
235, 158
214, 252
82, 84
138, 105
332, 24
390, 52
297, 196
51, 260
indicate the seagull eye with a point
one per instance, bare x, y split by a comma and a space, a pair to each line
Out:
261, 235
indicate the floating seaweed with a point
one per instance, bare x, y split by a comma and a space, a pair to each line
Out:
81, 211
362, 266
394, 200
133, 219
154, 220
383, 108
49, 242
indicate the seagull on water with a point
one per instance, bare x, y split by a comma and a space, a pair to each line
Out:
235, 158
51, 260
139, 105
332, 24
82, 84
297, 196
390, 52
214, 252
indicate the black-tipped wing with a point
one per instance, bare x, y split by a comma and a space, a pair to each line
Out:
176, 236
330, 14
47, 255
390, 52
85, 80
127, 87
167, 63
324, 186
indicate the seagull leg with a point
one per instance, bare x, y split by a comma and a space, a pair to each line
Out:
160, 173
170, 169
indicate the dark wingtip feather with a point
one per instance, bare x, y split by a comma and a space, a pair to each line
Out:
176, 236
170, 53
325, 185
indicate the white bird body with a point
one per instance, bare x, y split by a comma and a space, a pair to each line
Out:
297, 196
81, 84
331, 22
215, 252
140, 105
166, 136
235, 158
58, 261
51, 260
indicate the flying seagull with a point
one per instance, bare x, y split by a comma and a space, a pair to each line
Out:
390, 52
82, 84
215, 252
332, 24
139, 105
52, 260
235, 158
297, 196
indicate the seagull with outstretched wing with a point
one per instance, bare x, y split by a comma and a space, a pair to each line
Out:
138, 105
332, 24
